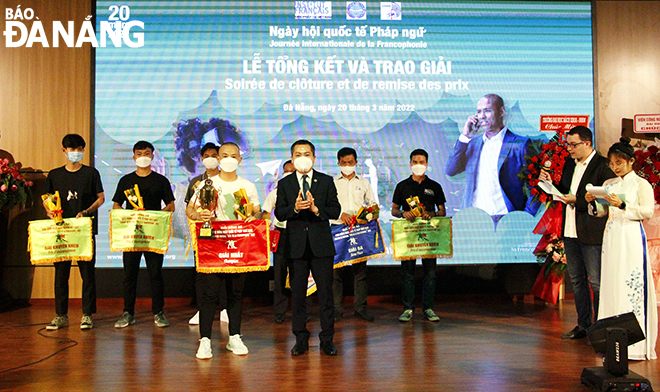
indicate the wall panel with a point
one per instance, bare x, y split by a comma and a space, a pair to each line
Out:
45, 92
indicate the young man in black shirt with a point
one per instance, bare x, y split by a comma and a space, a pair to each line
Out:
82, 194
430, 195
155, 190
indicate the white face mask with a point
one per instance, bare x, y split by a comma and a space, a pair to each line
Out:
143, 162
303, 164
418, 170
74, 156
210, 162
347, 170
228, 165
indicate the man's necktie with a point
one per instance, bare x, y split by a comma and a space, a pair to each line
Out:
305, 186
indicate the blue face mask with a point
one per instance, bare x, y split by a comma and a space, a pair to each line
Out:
74, 156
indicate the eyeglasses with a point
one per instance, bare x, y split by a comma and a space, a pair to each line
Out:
572, 145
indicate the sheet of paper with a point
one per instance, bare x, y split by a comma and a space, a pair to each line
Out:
549, 188
558, 198
607, 190
599, 191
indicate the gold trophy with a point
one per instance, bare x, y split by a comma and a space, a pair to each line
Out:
208, 200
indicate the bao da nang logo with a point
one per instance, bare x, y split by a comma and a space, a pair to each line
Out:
118, 30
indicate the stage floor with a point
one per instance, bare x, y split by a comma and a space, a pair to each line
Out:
482, 343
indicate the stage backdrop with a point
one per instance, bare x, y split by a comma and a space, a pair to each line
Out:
381, 77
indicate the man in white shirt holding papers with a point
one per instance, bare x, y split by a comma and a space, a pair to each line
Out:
582, 233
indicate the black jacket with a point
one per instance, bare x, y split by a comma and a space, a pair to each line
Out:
306, 226
589, 228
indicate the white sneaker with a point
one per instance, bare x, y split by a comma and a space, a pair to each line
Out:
86, 322
194, 320
204, 350
58, 322
236, 345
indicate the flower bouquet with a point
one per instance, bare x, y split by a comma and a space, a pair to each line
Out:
14, 189
550, 252
367, 214
364, 216
416, 207
133, 197
551, 158
647, 166
242, 206
54, 205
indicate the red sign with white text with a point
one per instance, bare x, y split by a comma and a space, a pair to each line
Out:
562, 122
647, 123
236, 247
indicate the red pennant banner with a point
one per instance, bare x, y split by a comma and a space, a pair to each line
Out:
236, 247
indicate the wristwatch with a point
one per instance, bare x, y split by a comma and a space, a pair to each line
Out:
622, 205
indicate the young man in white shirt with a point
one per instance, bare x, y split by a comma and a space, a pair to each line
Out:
209, 286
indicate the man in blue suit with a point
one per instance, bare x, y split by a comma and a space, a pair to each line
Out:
491, 162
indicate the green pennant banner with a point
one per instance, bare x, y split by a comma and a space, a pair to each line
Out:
138, 231
49, 243
422, 238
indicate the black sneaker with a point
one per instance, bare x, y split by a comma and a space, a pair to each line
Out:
575, 333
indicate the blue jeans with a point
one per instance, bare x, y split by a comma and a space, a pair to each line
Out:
583, 262
428, 283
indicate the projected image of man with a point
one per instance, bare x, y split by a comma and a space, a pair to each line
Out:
491, 156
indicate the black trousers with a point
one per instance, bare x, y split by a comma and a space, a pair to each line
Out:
88, 275
321, 268
154, 263
280, 297
360, 287
210, 288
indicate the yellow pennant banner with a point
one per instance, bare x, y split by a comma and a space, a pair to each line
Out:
140, 231
49, 242
422, 238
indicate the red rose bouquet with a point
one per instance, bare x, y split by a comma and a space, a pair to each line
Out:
647, 166
551, 158
14, 188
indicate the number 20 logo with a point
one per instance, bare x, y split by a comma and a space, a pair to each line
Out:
123, 11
